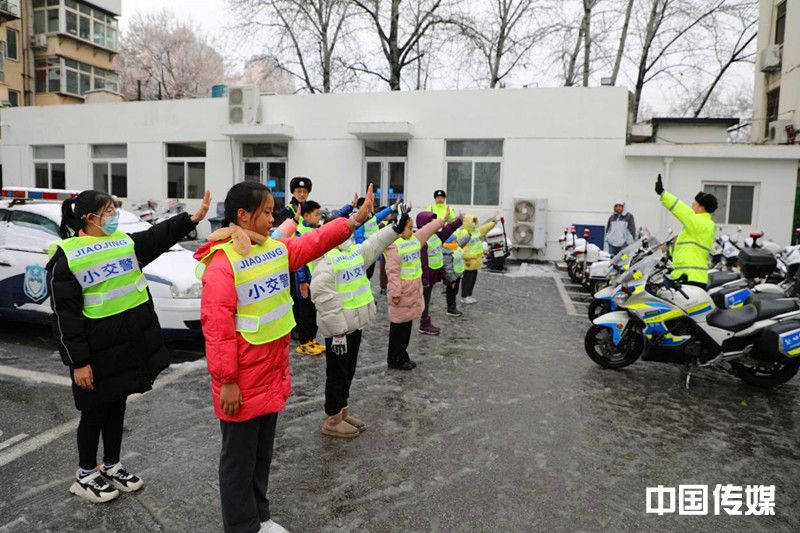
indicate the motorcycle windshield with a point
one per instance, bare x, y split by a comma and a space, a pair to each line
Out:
625, 255
642, 269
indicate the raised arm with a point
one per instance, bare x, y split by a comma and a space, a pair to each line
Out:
680, 210
426, 232
314, 244
373, 247
156, 240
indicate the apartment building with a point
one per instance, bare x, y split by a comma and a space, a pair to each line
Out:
57, 51
776, 98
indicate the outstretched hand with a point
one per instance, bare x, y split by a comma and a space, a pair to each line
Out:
659, 186
364, 211
203, 210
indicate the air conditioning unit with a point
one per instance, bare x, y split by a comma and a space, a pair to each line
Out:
771, 58
529, 228
39, 41
777, 131
244, 105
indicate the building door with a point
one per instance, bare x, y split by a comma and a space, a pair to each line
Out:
385, 170
271, 173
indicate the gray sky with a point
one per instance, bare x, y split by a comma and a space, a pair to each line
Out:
211, 15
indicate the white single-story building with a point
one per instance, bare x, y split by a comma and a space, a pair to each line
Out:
569, 146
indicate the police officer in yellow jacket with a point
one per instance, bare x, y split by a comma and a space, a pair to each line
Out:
440, 207
691, 249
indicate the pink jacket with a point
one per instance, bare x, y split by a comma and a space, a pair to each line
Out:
260, 371
410, 292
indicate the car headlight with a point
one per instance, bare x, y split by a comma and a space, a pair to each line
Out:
192, 292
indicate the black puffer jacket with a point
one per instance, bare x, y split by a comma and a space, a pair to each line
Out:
126, 351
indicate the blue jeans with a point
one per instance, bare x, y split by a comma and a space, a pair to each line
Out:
614, 250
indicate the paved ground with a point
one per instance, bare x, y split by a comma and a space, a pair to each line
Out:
505, 426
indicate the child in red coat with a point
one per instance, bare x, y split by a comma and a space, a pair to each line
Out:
246, 313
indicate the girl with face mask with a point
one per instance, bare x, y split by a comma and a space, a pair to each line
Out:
106, 327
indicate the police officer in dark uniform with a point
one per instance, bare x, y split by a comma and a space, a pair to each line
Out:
300, 187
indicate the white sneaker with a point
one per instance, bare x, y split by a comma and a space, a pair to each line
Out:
470, 300
94, 488
272, 527
121, 479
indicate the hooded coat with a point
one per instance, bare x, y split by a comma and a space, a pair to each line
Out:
411, 301
429, 275
620, 228
474, 262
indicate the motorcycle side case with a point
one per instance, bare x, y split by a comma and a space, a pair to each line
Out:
756, 262
731, 297
780, 343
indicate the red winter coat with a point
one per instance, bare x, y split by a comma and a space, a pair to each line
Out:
260, 371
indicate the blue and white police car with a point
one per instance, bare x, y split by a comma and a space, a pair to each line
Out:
29, 222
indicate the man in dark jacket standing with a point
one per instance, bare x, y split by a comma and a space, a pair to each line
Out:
300, 187
620, 229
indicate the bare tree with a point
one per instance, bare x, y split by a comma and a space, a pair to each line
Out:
170, 59
307, 38
731, 51
623, 36
400, 26
668, 27
503, 32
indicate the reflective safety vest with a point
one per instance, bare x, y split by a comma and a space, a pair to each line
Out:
108, 272
474, 247
693, 245
441, 210
263, 302
302, 229
410, 264
370, 227
458, 261
350, 277
435, 255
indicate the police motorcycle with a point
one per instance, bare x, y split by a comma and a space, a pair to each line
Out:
603, 298
665, 320
725, 251
586, 254
569, 241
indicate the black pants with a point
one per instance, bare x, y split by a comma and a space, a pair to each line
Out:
468, 282
339, 372
305, 314
370, 271
399, 337
426, 294
452, 292
384, 277
244, 463
106, 419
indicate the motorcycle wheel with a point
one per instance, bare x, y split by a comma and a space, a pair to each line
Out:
766, 376
600, 348
571, 272
598, 308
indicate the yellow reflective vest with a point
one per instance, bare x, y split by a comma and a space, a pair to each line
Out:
441, 210
435, 254
108, 272
693, 245
263, 302
410, 264
350, 277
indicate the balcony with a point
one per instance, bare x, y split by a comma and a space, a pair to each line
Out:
8, 11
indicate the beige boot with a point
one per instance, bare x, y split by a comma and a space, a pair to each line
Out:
353, 421
334, 426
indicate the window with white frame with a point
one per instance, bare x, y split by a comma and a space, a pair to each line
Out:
80, 20
735, 202
186, 170
110, 169
48, 166
62, 75
473, 171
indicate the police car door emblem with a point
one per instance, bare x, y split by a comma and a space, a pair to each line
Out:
34, 286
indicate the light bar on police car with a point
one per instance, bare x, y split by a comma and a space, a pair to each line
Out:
33, 193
